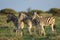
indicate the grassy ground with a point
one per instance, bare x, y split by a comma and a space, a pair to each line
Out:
6, 33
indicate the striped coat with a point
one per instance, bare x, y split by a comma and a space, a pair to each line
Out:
25, 19
44, 21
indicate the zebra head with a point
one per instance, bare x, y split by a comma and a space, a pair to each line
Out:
22, 15
10, 17
14, 19
35, 15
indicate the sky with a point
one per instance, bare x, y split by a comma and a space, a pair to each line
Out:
23, 5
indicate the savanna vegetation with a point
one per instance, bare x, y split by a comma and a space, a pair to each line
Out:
6, 32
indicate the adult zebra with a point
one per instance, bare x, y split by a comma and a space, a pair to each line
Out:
14, 19
44, 21
25, 19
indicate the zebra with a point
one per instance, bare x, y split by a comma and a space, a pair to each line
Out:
20, 21
25, 19
44, 21
14, 19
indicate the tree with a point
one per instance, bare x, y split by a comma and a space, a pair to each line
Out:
29, 10
7, 11
55, 11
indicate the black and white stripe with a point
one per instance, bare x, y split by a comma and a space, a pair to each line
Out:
44, 21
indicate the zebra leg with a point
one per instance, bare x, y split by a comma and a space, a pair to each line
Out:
34, 29
42, 31
21, 27
52, 27
16, 28
30, 27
